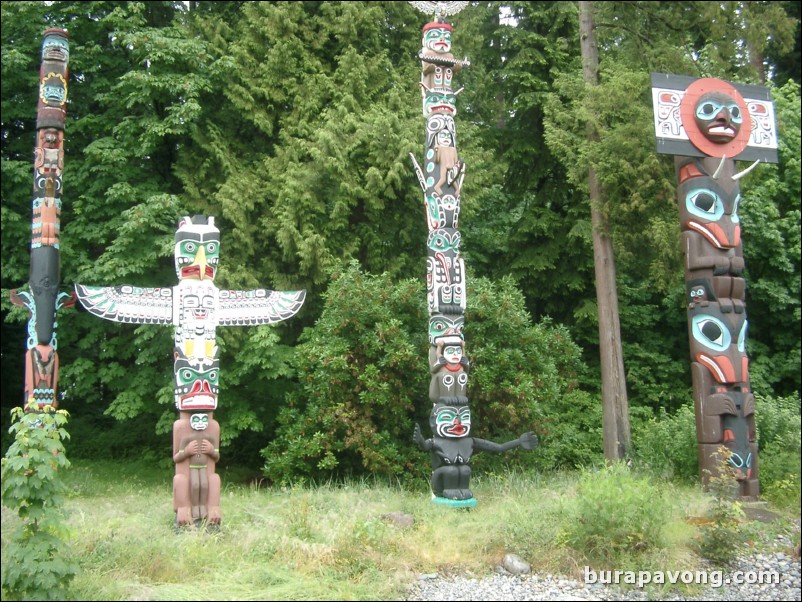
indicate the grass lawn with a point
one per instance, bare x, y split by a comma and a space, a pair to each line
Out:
331, 541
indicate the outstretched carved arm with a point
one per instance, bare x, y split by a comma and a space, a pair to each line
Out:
417, 437
526, 441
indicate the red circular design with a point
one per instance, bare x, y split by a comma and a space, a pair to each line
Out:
688, 109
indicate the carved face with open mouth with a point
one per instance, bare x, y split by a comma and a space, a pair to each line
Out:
451, 421
718, 116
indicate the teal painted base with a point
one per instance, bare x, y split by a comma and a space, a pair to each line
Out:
444, 501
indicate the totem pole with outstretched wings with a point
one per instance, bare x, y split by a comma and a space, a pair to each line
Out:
195, 307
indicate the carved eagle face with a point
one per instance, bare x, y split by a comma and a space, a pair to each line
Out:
197, 248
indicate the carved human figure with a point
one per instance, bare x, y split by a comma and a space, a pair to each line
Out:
196, 485
449, 368
452, 447
437, 63
445, 153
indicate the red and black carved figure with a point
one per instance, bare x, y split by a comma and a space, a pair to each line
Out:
440, 176
708, 124
43, 297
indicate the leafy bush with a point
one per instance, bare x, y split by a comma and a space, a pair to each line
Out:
37, 562
666, 446
365, 379
779, 439
615, 514
361, 368
721, 536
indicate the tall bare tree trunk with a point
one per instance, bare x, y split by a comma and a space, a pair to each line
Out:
615, 420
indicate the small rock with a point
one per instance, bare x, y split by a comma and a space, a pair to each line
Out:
516, 565
402, 520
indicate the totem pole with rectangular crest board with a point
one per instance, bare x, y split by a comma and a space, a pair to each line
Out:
708, 124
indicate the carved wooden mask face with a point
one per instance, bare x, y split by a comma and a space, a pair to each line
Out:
718, 117
450, 421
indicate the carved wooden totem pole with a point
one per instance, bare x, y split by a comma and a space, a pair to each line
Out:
44, 299
708, 124
195, 307
440, 178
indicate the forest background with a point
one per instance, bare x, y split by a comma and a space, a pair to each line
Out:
292, 124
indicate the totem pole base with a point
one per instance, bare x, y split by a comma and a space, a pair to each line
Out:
449, 503
198, 523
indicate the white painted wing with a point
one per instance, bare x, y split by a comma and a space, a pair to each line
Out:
129, 304
442, 8
259, 306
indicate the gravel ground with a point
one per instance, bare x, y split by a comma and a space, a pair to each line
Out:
503, 585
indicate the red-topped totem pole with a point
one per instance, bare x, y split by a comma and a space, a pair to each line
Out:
451, 445
708, 124
44, 299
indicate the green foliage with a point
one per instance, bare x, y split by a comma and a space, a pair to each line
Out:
37, 562
361, 368
721, 536
291, 122
570, 432
653, 362
780, 439
771, 220
665, 444
364, 376
615, 514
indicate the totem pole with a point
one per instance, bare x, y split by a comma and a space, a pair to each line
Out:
195, 307
441, 178
44, 298
707, 124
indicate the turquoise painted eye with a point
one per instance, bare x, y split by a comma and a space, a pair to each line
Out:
445, 416
438, 326
704, 203
439, 242
708, 110
711, 332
